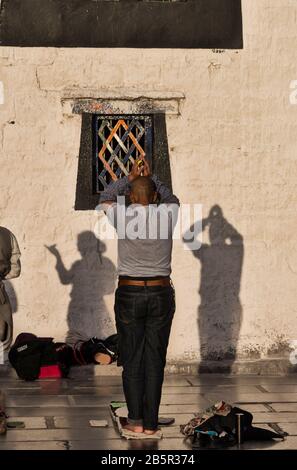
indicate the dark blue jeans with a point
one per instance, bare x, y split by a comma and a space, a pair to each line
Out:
143, 319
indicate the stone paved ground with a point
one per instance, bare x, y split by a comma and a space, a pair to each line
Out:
57, 412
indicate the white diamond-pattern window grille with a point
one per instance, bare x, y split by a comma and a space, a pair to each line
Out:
119, 141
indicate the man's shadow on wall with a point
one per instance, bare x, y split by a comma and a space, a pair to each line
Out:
220, 310
92, 277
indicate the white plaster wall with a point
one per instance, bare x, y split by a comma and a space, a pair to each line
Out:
234, 144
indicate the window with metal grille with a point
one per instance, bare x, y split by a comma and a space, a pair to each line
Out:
118, 142
119, 139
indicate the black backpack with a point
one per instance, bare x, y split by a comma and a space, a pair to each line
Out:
29, 353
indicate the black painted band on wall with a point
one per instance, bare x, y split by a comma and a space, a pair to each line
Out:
122, 23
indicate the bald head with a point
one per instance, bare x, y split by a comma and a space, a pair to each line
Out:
143, 190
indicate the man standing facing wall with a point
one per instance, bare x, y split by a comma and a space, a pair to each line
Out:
144, 299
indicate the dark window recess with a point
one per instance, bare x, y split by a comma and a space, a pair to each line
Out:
118, 142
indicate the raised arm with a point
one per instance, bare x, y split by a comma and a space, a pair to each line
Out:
121, 187
165, 194
115, 189
65, 275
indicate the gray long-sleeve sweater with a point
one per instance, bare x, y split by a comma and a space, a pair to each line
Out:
144, 232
